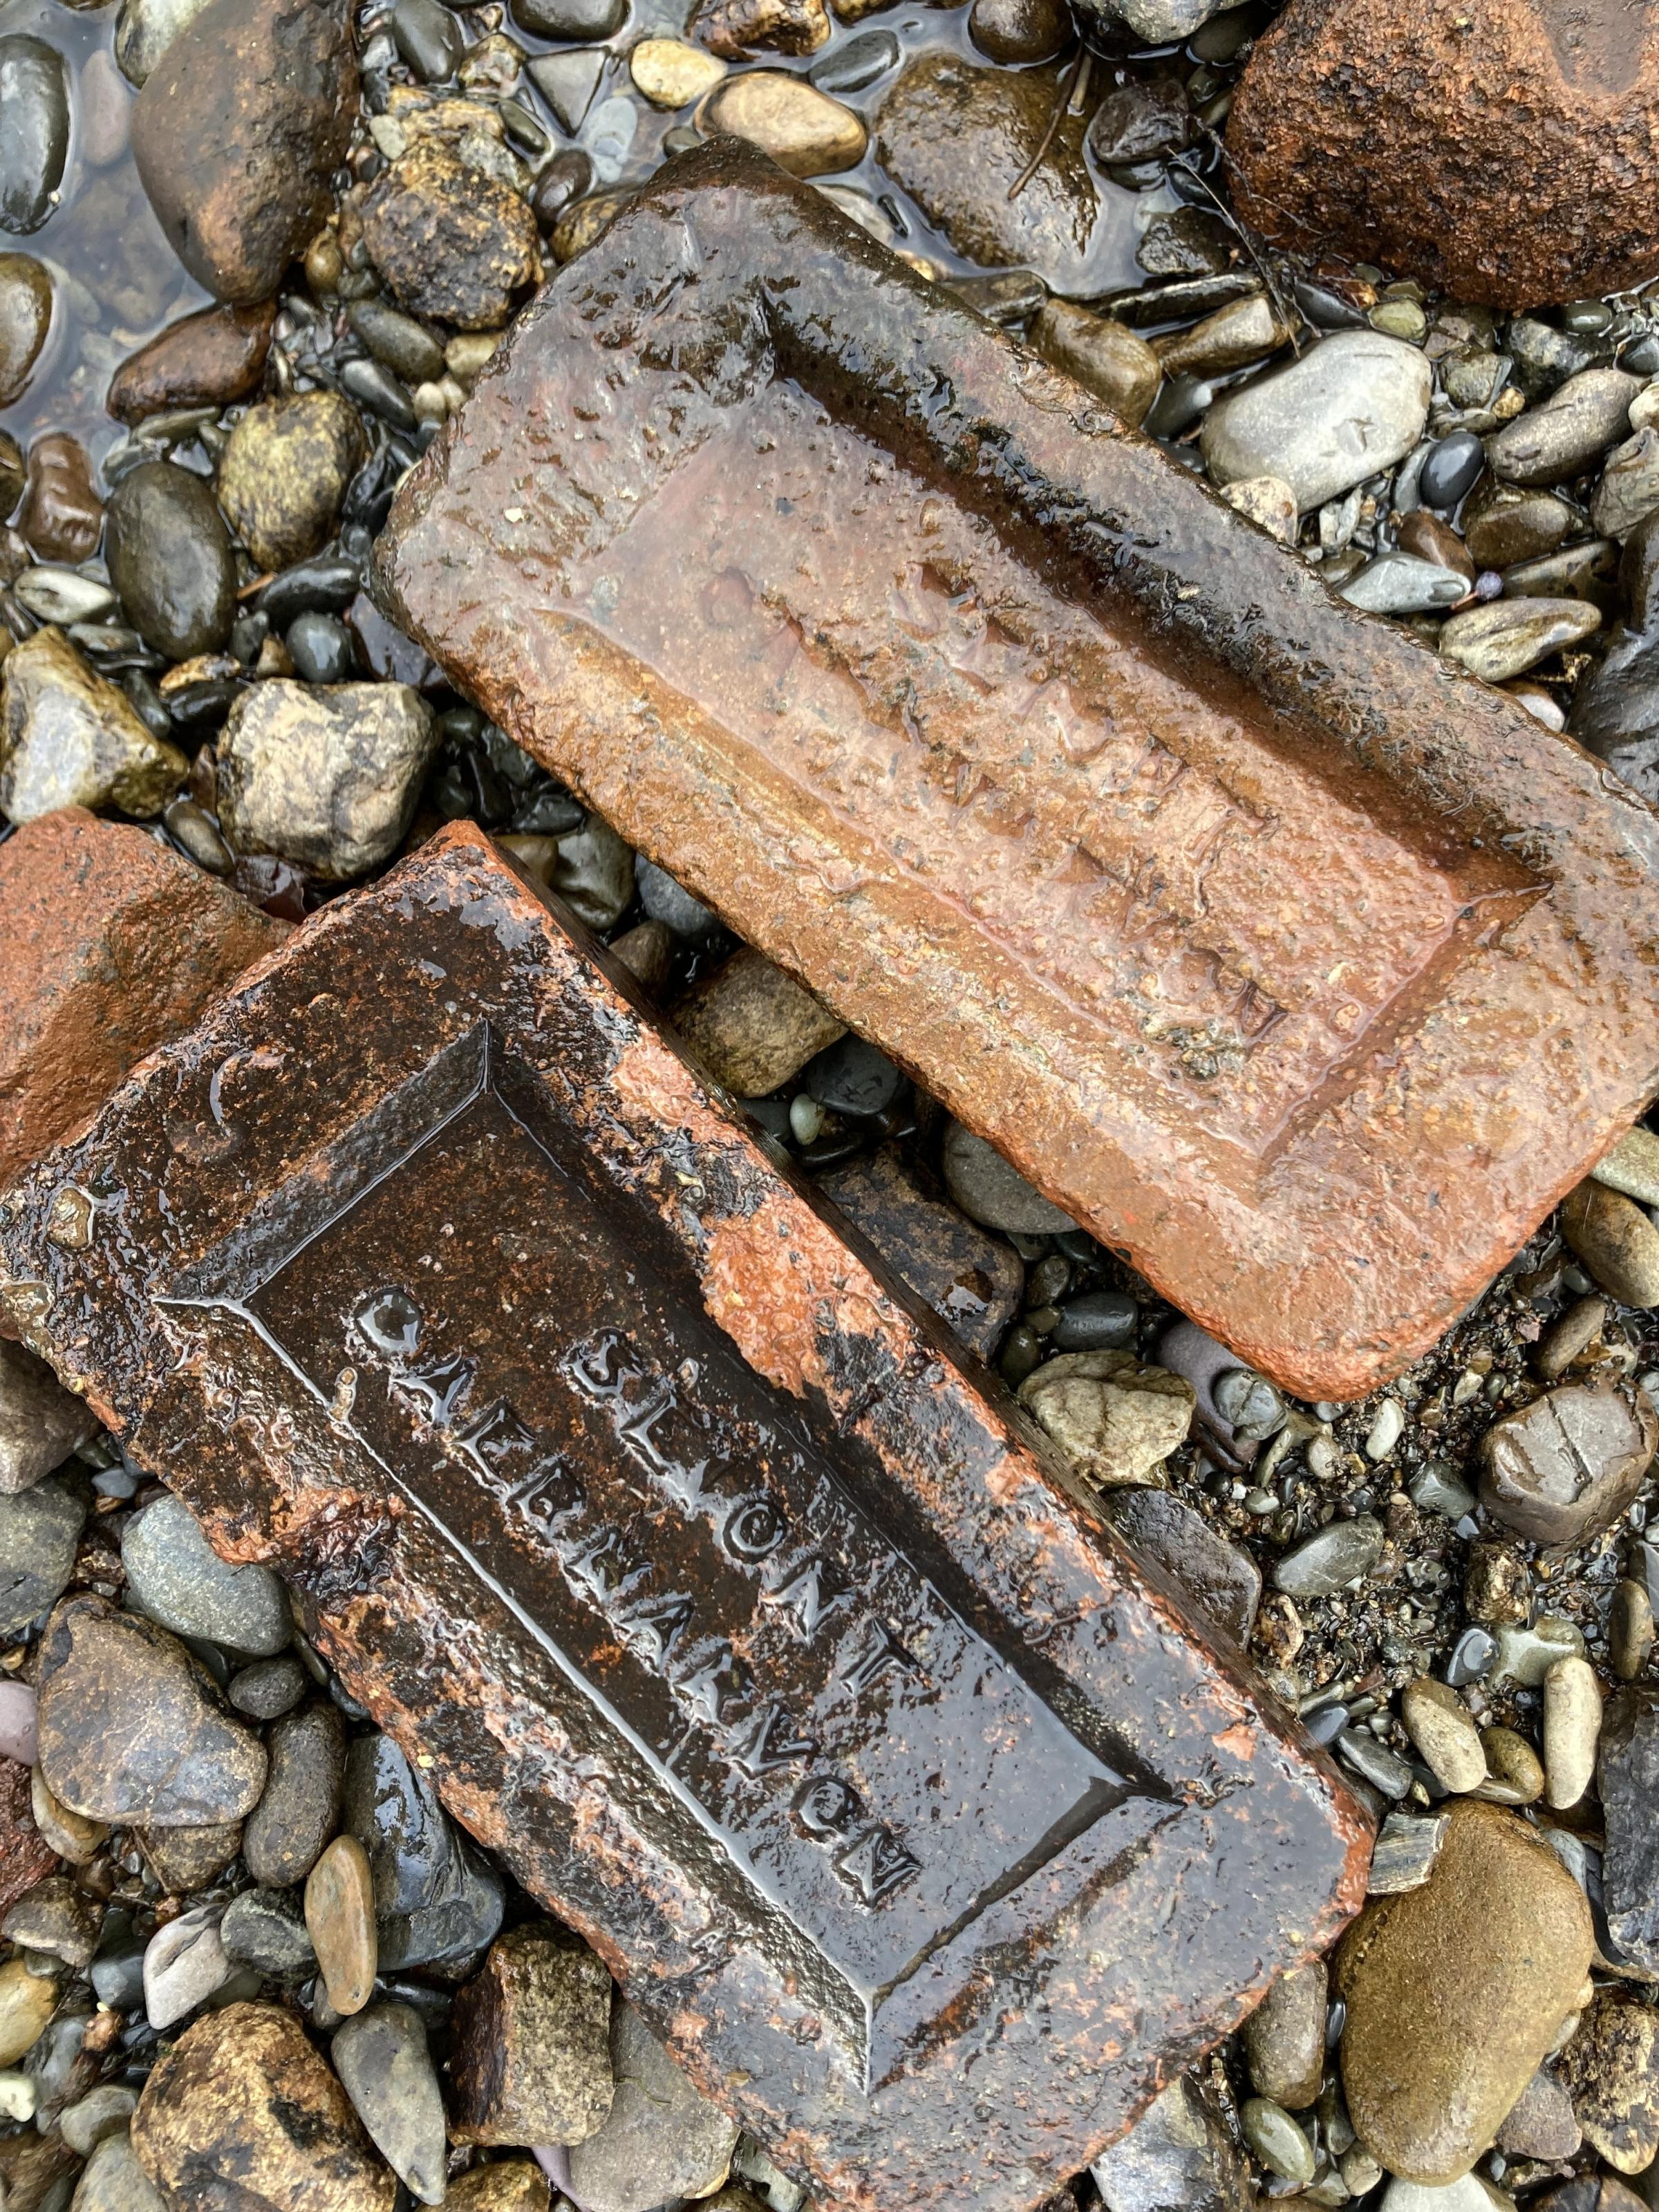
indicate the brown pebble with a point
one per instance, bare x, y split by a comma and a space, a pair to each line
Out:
207, 360
340, 1922
1615, 1240
1630, 1629
752, 1026
1514, 1773
62, 517
1571, 1334
1429, 538
647, 951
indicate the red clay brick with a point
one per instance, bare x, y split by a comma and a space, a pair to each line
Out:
715, 1596
109, 944
1303, 969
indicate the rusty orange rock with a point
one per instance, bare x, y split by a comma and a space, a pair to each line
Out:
1504, 151
1300, 970
667, 1534
109, 943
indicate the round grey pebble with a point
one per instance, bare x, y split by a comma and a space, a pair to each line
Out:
407, 348
1452, 470
268, 1690
992, 1193
299, 1810
428, 38
851, 1077
180, 1580
672, 904
1100, 1321
265, 1929
319, 646
1331, 1559
1277, 2140
373, 384
381, 2056
858, 62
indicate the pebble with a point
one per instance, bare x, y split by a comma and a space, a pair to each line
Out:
1181, 2153
180, 1580
1497, 1585
1564, 1467
1115, 1420
804, 130
243, 2092
672, 904
28, 2002
647, 951
17, 1717
61, 516
1144, 119
1397, 583
1510, 636
462, 1920
1443, 1730
1244, 331
1155, 22
1630, 1629
1455, 1991
1110, 360
1572, 1728
325, 778
451, 242
429, 39
1565, 432
506, 2185
593, 871
1505, 524
1100, 1321
1472, 2193
113, 2181
71, 1834
265, 1929
267, 1690
1327, 1562
54, 1918
170, 560
130, 1726
1472, 1657
1016, 32
1632, 1166
340, 1921
1515, 1773
1610, 2069
393, 1811
852, 1076
1222, 1579
1354, 404
1371, 1759
372, 384
570, 19
568, 83
1277, 2140
1628, 1777
320, 648
1572, 1332
184, 1964
1526, 1655
1404, 1853
237, 133
62, 596
211, 359
406, 347
34, 131
737, 29
25, 322
1284, 2039
1453, 468
92, 2119
184, 1860
381, 2056
300, 1807
144, 30
40, 1531
1629, 489
530, 2054
284, 472
1617, 1242
659, 2141
971, 1280
991, 1192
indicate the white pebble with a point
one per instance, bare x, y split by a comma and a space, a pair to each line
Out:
18, 2094
1386, 1430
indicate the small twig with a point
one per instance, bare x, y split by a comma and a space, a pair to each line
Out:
1073, 85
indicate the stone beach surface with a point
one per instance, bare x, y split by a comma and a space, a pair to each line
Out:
1379, 275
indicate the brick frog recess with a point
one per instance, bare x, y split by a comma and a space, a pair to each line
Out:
1298, 967
665, 1528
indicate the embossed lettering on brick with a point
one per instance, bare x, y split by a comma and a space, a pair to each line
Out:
719, 1600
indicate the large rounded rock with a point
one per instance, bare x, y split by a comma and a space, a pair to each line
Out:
1504, 152
1352, 406
243, 2114
325, 777
1455, 1992
169, 557
34, 131
238, 131
68, 738
25, 321
284, 473
131, 1728
1561, 1470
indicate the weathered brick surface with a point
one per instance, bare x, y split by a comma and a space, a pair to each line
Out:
108, 944
771, 1654
1297, 966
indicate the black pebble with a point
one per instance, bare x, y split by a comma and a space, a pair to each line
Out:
1453, 465
1102, 1320
851, 1077
319, 646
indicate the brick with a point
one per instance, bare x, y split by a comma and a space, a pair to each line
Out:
1297, 967
668, 1535
109, 943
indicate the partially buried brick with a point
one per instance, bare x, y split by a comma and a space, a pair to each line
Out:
669, 1537
1302, 970
109, 943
